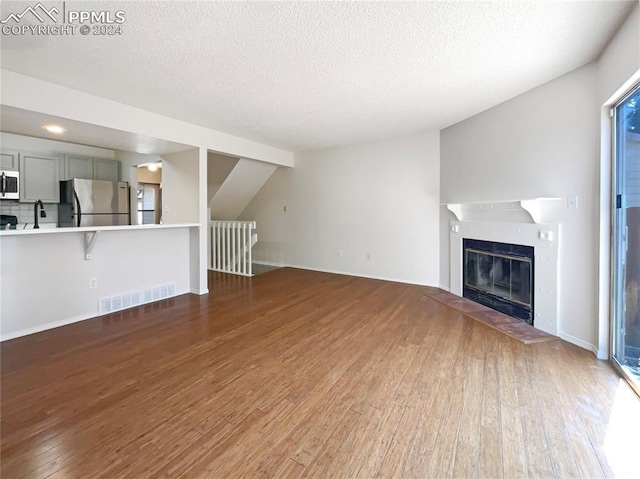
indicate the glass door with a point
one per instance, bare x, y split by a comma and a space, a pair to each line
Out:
626, 238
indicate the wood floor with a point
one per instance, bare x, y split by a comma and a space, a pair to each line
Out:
302, 374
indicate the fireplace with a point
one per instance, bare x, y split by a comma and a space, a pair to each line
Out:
496, 223
500, 276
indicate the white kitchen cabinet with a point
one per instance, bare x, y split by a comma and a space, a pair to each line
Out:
90, 168
77, 167
9, 160
107, 170
39, 178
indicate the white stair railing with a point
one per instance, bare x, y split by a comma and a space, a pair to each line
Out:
230, 246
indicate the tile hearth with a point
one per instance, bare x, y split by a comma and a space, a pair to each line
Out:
512, 327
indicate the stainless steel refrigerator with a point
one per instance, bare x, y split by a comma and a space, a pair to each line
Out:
93, 203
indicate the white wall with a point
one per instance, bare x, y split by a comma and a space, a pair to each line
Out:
379, 197
621, 58
44, 279
218, 168
145, 175
543, 143
239, 188
180, 192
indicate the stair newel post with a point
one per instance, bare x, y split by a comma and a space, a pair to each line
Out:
250, 248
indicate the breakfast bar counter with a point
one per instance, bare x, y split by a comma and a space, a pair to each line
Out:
91, 229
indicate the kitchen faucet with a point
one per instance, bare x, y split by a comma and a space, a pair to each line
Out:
43, 213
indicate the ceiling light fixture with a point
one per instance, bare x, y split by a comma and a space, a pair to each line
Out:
55, 129
152, 167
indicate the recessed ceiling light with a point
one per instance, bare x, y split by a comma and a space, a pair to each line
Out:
56, 129
152, 167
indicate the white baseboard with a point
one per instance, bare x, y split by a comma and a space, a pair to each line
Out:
445, 288
344, 273
46, 326
600, 354
76, 319
199, 292
584, 345
271, 263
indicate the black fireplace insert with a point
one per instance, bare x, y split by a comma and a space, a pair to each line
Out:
500, 276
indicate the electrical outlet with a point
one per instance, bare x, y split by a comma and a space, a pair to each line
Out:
546, 235
368, 255
93, 283
339, 253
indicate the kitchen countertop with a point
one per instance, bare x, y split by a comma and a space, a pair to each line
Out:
90, 229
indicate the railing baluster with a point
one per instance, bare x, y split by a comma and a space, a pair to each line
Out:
224, 248
218, 240
244, 248
212, 255
236, 259
229, 246
233, 247
239, 254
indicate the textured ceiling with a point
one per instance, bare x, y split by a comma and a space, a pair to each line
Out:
304, 75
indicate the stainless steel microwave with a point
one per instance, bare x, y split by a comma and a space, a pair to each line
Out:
9, 185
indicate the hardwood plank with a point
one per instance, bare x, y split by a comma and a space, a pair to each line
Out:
291, 470
378, 440
340, 439
466, 461
490, 454
396, 456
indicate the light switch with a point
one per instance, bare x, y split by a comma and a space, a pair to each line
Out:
572, 202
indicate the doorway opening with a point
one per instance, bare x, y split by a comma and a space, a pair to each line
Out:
149, 194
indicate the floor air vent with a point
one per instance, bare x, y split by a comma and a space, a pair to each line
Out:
136, 298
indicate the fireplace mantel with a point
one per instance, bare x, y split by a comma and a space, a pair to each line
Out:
469, 210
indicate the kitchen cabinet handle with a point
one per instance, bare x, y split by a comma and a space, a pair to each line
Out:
4, 183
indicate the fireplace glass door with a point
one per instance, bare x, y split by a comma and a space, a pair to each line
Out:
500, 276
507, 277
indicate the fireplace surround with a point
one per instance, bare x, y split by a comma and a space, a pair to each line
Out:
512, 223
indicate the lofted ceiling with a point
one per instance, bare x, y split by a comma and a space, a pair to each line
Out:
304, 75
